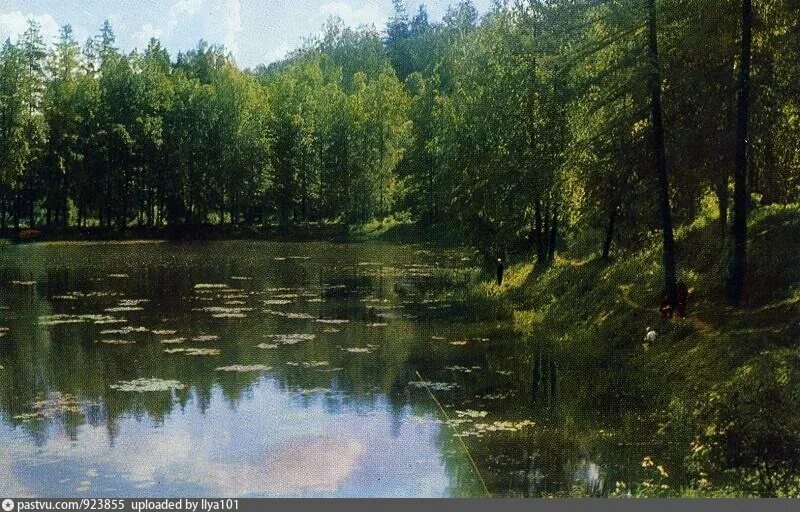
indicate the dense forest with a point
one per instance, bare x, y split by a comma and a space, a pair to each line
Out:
538, 123
664, 131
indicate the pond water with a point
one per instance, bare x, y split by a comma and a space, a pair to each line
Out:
281, 369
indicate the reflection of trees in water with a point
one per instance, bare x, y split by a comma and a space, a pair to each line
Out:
64, 358
537, 382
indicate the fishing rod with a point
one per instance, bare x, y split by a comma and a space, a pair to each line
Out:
455, 433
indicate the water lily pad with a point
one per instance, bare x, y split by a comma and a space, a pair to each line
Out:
52, 405
147, 385
244, 368
205, 337
308, 364
470, 413
191, 351
124, 330
172, 341
291, 339
434, 386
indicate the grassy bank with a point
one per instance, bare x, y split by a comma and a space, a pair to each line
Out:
722, 385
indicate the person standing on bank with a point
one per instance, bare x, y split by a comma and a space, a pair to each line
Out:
500, 270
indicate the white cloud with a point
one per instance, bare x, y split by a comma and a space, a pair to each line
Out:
147, 31
180, 11
278, 52
13, 24
231, 18
368, 14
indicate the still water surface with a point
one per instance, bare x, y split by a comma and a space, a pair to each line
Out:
278, 369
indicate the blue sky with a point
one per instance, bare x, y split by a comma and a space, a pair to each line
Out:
255, 31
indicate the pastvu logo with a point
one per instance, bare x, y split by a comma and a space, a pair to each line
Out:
8, 505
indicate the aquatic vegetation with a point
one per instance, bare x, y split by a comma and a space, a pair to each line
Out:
243, 368
132, 302
225, 312
470, 413
290, 339
297, 316
191, 351
360, 350
172, 341
496, 396
315, 391
147, 385
277, 302
77, 319
462, 369
331, 330
124, 330
55, 404
434, 386
205, 337
480, 429
308, 364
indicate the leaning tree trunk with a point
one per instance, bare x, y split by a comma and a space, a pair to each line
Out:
661, 161
734, 285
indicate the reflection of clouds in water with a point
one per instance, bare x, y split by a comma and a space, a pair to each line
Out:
9, 484
271, 446
590, 474
299, 464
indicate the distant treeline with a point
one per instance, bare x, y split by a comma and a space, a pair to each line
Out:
545, 121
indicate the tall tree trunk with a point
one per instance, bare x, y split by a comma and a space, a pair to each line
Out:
612, 219
734, 285
3, 204
551, 245
537, 233
670, 271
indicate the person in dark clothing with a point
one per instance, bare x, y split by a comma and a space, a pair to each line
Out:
683, 298
665, 306
500, 270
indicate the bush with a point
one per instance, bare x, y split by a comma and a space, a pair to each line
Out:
749, 426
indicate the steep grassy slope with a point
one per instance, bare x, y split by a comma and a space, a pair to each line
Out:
725, 383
